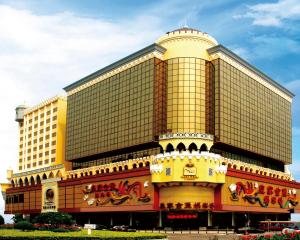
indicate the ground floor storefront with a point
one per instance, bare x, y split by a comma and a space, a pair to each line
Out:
178, 220
158, 197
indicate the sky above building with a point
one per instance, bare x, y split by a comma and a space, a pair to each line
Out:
45, 45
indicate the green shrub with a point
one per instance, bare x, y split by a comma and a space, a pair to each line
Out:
54, 218
60, 230
24, 225
18, 218
1, 220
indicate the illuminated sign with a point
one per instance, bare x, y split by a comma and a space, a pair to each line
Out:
265, 195
103, 194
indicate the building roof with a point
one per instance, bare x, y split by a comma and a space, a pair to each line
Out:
131, 57
185, 29
226, 51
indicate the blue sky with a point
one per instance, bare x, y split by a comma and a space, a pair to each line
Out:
46, 45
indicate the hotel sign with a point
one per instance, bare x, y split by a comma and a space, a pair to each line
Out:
189, 171
115, 193
264, 195
49, 203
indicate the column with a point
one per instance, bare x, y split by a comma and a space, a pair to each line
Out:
130, 219
159, 219
233, 219
111, 221
209, 219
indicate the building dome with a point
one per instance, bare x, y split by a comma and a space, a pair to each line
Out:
186, 42
20, 112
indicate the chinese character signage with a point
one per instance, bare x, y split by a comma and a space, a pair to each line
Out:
116, 193
263, 194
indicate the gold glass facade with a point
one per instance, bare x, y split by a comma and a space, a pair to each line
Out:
188, 104
115, 113
249, 115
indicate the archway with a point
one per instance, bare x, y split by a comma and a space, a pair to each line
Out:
26, 182
58, 174
32, 181
181, 147
193, 147
51, 175
170, 148
38, 179
20, 182
203, 148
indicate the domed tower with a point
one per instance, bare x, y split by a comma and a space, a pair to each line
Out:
20, 113
189, 89
186, 42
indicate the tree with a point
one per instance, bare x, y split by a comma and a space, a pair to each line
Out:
54, 218
1, 220
24, 225
17, 218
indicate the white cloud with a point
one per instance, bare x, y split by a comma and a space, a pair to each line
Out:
273, 14
41, 54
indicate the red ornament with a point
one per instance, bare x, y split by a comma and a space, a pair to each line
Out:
162, 206
284, 192
273, 200
266, 200
179, 205
261, 189
197, 205
187, 205
269, 190
280, 201
277, 192
169, 205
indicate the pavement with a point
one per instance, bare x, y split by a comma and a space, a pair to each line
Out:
202, 236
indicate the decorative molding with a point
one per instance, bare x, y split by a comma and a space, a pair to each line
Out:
50, 180
186, 135
234, 60
44, 169
156, 168
115, 71
187, 34
44, 103
153, 50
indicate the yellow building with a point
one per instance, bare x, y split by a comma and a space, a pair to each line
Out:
42, 139
182, 132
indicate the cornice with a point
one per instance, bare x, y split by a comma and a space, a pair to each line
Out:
44, 103
225, 54
153, 50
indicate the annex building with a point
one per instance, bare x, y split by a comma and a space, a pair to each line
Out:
180, 133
